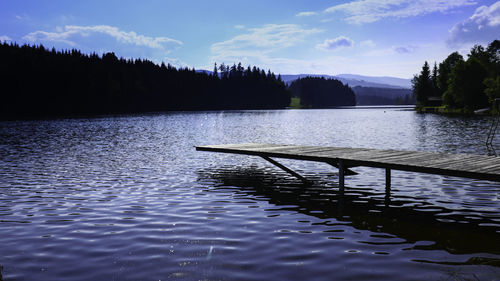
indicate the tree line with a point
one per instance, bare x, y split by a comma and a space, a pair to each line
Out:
383, 96
38, 82
462, 84
318, 92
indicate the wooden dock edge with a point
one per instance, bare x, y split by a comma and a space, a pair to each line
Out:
269, 151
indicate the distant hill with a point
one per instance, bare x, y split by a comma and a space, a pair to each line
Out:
357, 80
383, 96
382, 92
393, 81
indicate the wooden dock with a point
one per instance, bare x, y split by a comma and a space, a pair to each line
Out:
458, 165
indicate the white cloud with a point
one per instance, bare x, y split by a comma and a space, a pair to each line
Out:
336, 43
23, 17
174, 62
71, 33
4, 38
482, 27
394, 50
261, 40
367, 11
61, 37
306, 14
367, 43
263, 47
404, 49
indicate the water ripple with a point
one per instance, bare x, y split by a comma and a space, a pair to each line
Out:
128, 198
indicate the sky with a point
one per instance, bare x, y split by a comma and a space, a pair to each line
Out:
365, 37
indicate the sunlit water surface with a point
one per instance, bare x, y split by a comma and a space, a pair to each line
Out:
129, 198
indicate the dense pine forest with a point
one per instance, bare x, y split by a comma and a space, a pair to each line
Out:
38, 83
463, 85
319, 92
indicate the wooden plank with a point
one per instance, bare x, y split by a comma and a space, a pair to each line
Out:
493, 167
442, 162
413, 158
465, 165
392, 157
344, 154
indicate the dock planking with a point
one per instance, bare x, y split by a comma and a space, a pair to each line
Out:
459, 165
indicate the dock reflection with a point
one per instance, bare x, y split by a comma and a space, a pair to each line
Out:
457, 232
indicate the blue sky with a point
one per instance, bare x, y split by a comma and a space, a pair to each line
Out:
367, 37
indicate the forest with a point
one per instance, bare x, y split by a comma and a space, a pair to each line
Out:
463, 85
40, 83
318, 92
383, 96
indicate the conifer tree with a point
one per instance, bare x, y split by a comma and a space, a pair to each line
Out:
422, 85
435, 88
215, 74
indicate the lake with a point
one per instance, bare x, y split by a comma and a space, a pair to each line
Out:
129, 198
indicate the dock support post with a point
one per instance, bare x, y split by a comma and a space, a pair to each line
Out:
347, 171
387, 180
281, 166
341, 176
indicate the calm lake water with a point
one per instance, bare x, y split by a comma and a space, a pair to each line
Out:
129, 198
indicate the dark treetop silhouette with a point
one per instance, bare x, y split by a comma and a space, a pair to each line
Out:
318, 92
38, 83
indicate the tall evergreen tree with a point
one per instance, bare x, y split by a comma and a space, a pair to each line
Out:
435, 88
215, 74
422, 85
